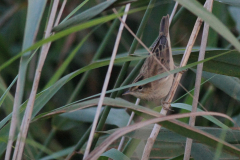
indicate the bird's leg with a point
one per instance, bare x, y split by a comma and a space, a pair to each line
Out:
165, 102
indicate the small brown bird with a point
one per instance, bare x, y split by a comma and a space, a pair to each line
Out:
160, 88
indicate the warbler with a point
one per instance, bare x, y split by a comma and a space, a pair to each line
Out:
160, 88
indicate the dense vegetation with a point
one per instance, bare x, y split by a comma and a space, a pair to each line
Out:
75, 68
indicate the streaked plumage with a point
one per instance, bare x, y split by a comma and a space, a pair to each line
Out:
160, 88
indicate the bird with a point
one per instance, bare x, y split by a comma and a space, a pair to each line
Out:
153, 65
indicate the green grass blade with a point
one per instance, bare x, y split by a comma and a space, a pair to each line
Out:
210, 118
230, 85
115, 154
74, 11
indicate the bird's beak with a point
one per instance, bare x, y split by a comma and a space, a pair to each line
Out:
126, 93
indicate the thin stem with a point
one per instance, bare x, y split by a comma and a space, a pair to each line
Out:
80, 143
219, 147
198, 81
129, 122
60, 13
178, 15
185, 58
173, 13
105, 83
47, 142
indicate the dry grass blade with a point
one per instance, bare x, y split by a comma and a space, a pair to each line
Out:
106, 81
198, 81
101, 148
173, 12
171, 94
28, 113
60, 13
120, 103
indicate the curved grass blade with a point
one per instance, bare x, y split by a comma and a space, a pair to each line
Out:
74, 11
120, 103
84, 16
174, 125
117, 117
210, 118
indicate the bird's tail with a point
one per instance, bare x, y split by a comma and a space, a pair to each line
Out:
164, 26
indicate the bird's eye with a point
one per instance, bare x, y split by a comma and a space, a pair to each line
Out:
140, 87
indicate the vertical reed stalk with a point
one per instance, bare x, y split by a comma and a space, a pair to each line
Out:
129, 122
198, 81
84, 79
